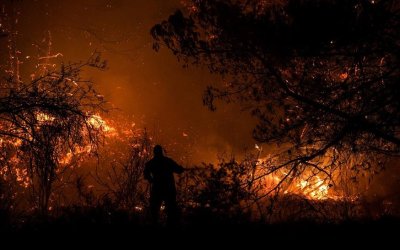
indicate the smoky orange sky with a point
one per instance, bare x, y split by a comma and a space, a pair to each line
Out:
150, 88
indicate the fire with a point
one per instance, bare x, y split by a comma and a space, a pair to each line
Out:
21, 175
98, 122
68, 157
310, 185
43, 117
343, 76
95, 120
316, 189
16, 142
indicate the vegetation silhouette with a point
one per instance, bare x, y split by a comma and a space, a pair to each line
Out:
324, 89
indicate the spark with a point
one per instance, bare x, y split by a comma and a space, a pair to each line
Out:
51, 56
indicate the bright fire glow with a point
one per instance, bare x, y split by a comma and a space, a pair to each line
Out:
316, 189
98, 123
43, 117
344, 76
67, 159
22, 177
308, 184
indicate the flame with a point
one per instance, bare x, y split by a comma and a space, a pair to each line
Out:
17, 142
99, 123
310, 185
139, 208
316, 189
67, 158
43, 117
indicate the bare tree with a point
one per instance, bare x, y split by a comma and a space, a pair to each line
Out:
121, 170
48, 115
50, 119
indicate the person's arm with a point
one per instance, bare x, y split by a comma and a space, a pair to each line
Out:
147, 173
176, 168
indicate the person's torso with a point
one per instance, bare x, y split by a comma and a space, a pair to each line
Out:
162, 172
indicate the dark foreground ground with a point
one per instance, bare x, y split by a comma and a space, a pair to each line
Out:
383, 233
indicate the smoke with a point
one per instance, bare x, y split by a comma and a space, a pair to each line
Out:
151, 88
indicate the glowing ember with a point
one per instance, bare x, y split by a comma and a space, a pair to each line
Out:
66, 159
22, 177
344, 76
51, 56
139, 208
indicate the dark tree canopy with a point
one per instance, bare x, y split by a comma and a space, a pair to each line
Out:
321, 76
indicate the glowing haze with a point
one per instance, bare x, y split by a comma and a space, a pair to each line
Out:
152, 88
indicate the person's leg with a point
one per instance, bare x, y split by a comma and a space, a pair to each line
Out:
155, 204
172, 210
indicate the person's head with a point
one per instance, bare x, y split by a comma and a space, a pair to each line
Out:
158, 151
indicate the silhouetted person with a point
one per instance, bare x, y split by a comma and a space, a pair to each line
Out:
159, 171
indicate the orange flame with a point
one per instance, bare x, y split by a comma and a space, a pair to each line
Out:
98, 122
